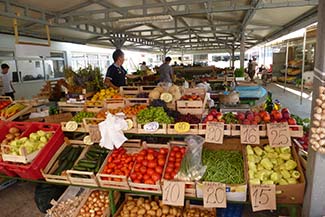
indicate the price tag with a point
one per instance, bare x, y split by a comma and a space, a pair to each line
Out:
263, 197
151, 127
182, 127
279, 134
214, 195
249, 134
173, 193
214, 132
94, 133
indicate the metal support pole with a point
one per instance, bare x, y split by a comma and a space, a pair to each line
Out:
242, 51
313, 205
264, 52
303, 66
286, 71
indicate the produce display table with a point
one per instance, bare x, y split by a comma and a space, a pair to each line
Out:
293, 208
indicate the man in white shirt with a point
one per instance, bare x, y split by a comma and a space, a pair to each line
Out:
8, 89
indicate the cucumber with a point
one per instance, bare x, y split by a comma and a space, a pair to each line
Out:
90, 157
87, 161
72, 153
61, 167
99, 163
87, 165
80, 168
94, 153
65, 152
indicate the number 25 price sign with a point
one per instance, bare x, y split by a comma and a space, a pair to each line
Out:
214, 132
249, 134
263, 197
173, 193
278, 134
214, 195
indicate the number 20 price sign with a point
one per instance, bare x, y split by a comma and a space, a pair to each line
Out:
214, 132
214, 195
263, 197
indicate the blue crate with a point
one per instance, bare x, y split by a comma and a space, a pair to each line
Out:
232, 210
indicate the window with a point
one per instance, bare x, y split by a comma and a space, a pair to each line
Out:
78, 61
54, 65
30, 69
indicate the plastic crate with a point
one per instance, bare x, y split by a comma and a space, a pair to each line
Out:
5, 126
33, 170
6, 172
232, 210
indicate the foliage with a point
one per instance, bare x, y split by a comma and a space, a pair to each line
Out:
89, 78
239, 72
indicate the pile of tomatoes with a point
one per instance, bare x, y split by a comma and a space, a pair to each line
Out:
4, 104
119, 163
149, 166
174, 162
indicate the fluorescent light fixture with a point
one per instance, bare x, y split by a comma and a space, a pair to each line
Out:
147, 19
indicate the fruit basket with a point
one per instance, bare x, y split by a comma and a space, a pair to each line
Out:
62, 160
142, 178
114, 103
129, 91
193, 101
70, 107
106, 178
58, 118
5, 101
14, 111
136, 101
32, 170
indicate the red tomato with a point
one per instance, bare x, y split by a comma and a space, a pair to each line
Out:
137, 167
169, 169
140, 158
145, 162
175, 148
172, 154
183, 150
177, 164
143, 152
171, 159
150, 171
161, 162
145, 177
137, 181
152, 164
151, 151
178, 155
143, 169
155, 177
173, 174
159, 169
133, 176
167, 176
111, 166
170, 164
163, 150
139, 176
149, 182
161, 156
178, 160
150, 157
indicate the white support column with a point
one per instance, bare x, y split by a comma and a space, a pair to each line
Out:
242, 51
286, 71
314, 205
303, 66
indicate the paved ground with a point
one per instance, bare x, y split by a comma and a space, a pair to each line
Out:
18, 200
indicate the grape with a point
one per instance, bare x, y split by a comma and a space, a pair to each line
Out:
154, 114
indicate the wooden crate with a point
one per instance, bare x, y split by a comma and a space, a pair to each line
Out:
35, 102
161, 130
188, 205
235, 192
195, 107
24, 158
296, 131
26, 110
91, 179
114, 103
291, 193
190, 186
131, 146
81, 128
194, 130
47, 172
146, 89
88, 122
94, 108
226, 132
127, 91
71, 107
235, 130
64, 117
119, 210
136, 101
156, 188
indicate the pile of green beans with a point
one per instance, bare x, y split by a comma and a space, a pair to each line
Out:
223, 166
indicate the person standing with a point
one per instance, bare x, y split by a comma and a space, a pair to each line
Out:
8, 88
255, 67
166, 71
250, 70
115, 76
144, 67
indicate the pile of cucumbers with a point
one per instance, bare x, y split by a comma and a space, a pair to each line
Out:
67, 158
92, 160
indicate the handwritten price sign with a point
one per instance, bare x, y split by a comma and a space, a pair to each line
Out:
94, 133
151, 127
263, 197
173, 193
279, 134
214, 132
249, 134
182, 127
214, 195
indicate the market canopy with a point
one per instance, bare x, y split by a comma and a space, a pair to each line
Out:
159, 25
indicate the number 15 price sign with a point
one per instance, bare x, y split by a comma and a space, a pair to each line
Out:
263, 197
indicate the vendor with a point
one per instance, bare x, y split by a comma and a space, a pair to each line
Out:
115, 76
8, 88
144, 67
166, 71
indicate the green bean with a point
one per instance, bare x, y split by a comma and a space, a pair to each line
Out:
223, 166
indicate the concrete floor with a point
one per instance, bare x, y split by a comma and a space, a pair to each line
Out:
18, 200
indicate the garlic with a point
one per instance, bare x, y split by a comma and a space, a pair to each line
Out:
318, 116
318, 109
318, 101
316, 123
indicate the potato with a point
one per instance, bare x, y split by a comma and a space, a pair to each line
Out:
147, 206
151, 212
141, 211
10, 136
140, 201
159, 212
134, 210
14, 130
165, 210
